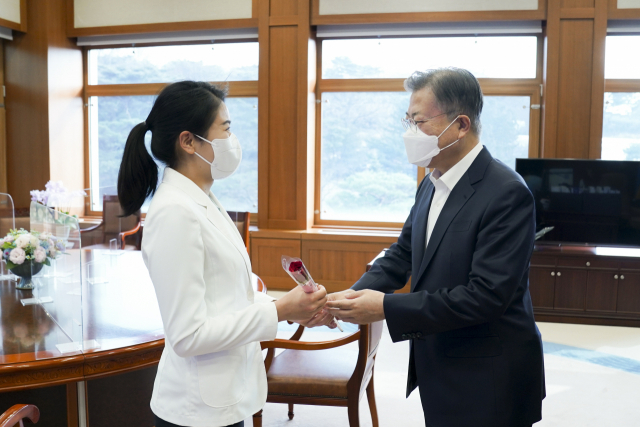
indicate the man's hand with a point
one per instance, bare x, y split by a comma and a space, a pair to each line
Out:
325, 317
359, 307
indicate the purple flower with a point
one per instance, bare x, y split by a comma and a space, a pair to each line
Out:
60, 246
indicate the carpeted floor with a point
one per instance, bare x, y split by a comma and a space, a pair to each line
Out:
592, 374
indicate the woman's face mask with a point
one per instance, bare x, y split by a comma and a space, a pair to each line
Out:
227, 156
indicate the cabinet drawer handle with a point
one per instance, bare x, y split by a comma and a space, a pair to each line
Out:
615, 277
588, 264
621, 277
559, 274
553, 273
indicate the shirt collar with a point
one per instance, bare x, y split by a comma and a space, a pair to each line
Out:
453, 175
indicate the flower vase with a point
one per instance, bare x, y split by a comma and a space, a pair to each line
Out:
25, 272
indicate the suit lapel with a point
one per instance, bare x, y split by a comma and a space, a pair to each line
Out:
219, 218
215, 212
461, 193
419, 225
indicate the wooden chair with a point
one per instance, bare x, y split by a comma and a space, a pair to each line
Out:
17, 413
241, 220
114, 226
323, 373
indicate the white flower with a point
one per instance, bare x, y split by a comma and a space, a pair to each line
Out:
33, 240
17, 256
45, 236
40, 254
9, 238
23, 240
52, 251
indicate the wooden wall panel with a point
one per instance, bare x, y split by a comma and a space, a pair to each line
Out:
286, 98
3, 127
265, 260
284, 8
573, 79
338, 265
283, 123
574, 96
577, 3
43, 75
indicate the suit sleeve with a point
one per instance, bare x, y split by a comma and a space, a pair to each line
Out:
174, 253
392, 271
501, 257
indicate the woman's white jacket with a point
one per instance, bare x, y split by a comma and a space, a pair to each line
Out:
211, 372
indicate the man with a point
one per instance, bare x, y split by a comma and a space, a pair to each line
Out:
476, 353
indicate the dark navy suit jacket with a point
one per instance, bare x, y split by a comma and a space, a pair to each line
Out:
476, 352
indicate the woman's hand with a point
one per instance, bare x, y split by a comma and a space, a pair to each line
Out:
300, 307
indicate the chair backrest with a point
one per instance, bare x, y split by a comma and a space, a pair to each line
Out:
112, 222
14, 415
367, 349
241, 220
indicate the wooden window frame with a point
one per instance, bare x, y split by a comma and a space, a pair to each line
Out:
490, 87
237, 89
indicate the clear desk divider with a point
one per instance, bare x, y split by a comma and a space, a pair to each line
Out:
97, 272
59, 292
7, 223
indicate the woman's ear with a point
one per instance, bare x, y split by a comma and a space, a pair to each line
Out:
186, 142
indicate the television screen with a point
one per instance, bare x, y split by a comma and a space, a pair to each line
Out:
585, 201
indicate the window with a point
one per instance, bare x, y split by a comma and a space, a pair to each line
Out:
363, 177
122, 84
621, 120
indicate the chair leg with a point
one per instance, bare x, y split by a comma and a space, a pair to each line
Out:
371, 398
354, 413
290, 411
257, 419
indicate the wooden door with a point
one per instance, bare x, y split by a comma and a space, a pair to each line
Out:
542, 286
628, 298
570, 289
602, 290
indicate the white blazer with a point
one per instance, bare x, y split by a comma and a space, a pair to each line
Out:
211, 372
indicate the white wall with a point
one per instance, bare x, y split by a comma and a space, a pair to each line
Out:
628, 4
99, 13
344, 7
10, 10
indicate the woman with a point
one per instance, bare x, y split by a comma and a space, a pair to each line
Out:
211, 372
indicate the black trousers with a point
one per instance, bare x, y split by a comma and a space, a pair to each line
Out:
162, 423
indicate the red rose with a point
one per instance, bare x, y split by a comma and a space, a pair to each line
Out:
295, 266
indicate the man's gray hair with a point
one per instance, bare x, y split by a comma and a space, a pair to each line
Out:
456, 90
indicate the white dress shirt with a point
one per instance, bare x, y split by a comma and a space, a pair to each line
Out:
444, 185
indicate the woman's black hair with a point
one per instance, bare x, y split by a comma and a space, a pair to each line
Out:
182, 106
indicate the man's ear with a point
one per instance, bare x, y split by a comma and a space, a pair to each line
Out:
186, 142
464, 126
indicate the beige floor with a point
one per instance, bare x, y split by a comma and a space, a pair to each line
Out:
592, 374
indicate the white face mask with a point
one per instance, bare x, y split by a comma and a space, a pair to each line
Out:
421, 148
227, 156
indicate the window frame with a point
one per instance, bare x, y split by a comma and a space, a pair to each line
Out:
618, 86
237, 89
490, 87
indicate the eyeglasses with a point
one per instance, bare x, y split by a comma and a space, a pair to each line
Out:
408, 123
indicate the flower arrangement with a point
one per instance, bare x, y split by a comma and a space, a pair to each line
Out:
20, 246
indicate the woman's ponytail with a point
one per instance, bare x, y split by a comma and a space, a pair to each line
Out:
182, 106
138, 176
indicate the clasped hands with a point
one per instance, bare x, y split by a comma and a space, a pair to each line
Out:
320, 308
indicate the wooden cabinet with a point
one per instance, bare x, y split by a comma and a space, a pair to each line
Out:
581, 284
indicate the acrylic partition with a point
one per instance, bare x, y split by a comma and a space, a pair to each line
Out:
7, 223
58, 286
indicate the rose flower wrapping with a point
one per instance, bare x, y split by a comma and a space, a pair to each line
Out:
299, 273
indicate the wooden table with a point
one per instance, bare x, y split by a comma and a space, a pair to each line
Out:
121, 315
